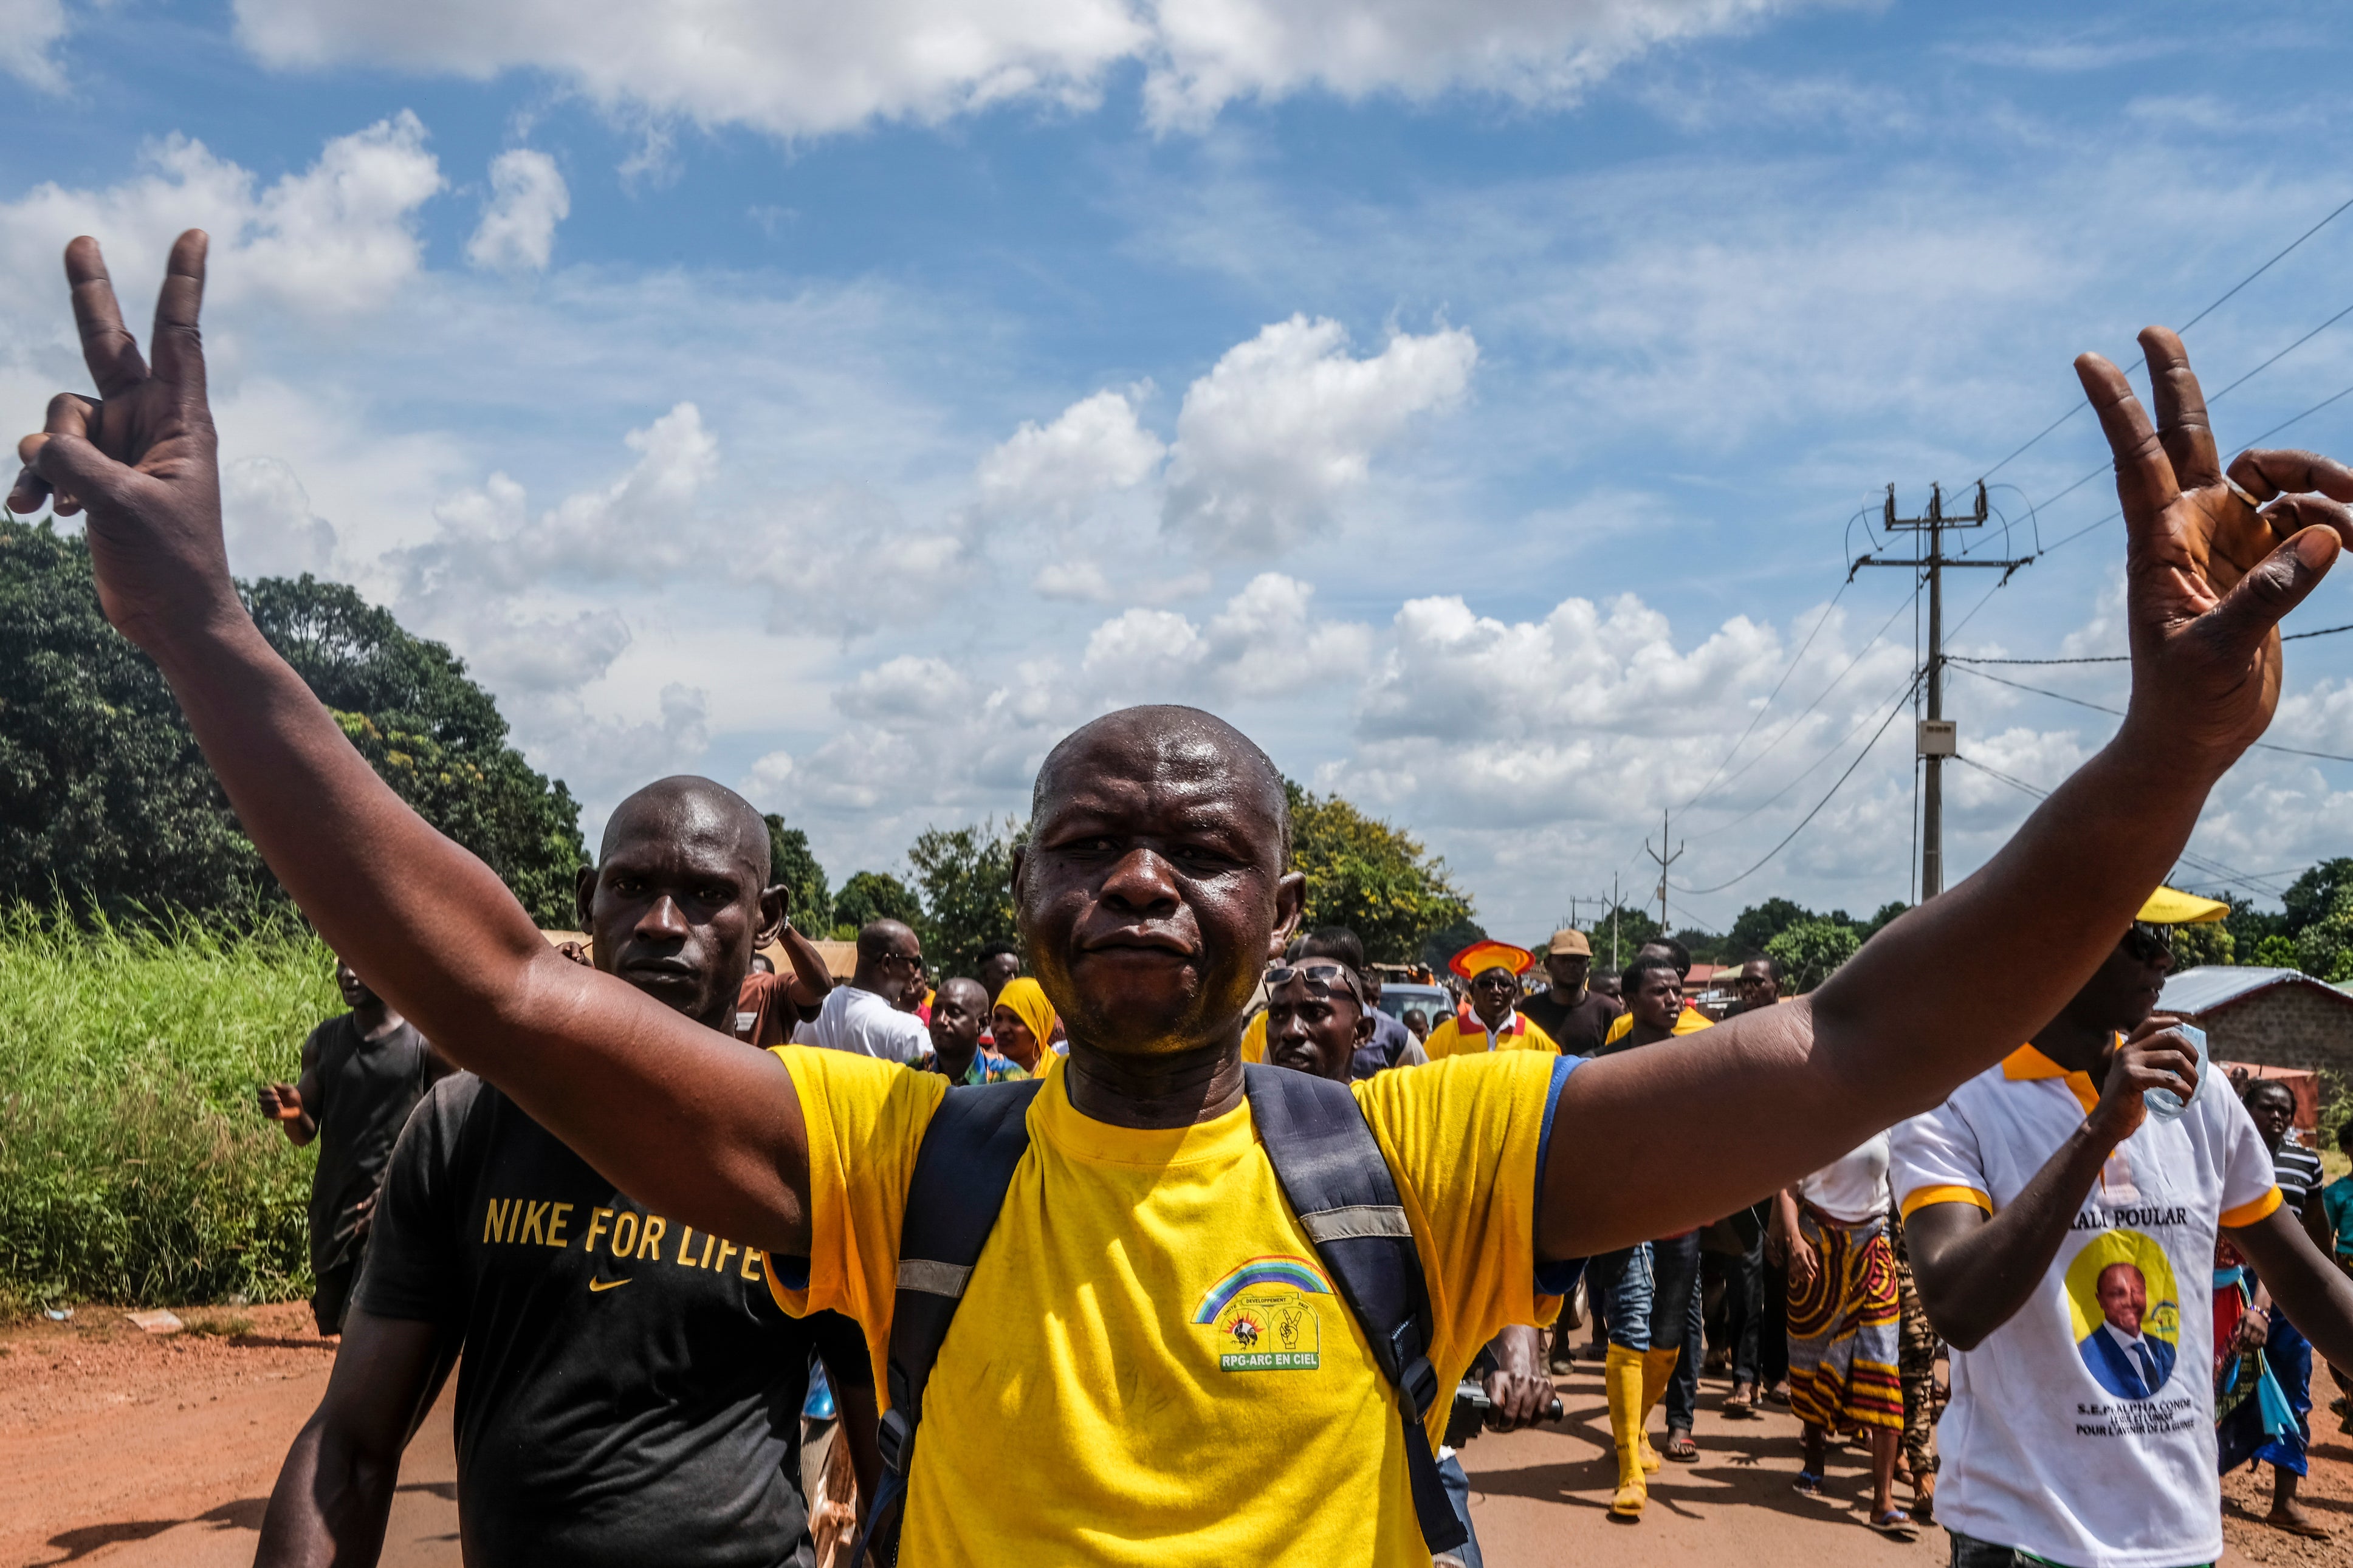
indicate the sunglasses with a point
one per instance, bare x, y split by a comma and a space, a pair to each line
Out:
1320, 978
2148, 942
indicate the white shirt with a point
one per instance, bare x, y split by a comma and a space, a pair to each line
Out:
864, 1025
2040, 1451
1852, 1188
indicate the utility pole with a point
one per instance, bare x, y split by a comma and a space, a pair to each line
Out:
1665, 861
1614, 903
1938, 737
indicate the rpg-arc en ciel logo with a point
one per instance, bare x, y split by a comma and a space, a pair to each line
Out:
1265, 1316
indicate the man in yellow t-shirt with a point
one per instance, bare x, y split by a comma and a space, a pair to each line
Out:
1492, 1022
1152, 891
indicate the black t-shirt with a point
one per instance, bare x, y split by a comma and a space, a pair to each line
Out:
366, 1089
1578, 1030
631, 1393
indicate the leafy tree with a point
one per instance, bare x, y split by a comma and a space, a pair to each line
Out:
1632, 925
2316, 894
1760, 923
2249, 928
107, 805
1443, 943
966, 876
871, 896
2324, 946
2276, 952
1705, 946
1811, 951
791, 862
1377, 881
2208, 944
1887, 912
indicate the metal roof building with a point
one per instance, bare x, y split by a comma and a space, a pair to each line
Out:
2279, 1017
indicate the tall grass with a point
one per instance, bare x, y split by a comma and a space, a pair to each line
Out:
133, 1167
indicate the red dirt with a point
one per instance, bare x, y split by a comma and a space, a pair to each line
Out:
122, 1448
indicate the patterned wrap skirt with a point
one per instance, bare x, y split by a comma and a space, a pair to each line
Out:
1845, 1329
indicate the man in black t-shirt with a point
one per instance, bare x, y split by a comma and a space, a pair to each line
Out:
631, 1392
363, 1072
1576, 1016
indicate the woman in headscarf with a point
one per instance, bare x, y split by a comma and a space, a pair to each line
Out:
1023, 1023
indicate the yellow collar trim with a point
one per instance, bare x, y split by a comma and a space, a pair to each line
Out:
2026, 1065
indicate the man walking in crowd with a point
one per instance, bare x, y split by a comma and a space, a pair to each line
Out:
1760, 984
862, 1016
1831, 1227
2062, 1236
1576, 1016
1390, 1044
1493, 1021
770, 1007
1689, 1020
2329, 1223
958, 1010
363, 1072
1756, 1327
1648, 1293
2295, 1170
1150, 896
631, 1393
999, 961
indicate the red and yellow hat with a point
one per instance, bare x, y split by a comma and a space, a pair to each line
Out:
1485, 955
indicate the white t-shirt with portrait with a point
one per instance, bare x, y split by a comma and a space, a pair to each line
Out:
2081, 1430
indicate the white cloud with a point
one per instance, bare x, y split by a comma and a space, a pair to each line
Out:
272, 532
28, 29
337, 240
1264, 641
798, 69
1286, 425
1082, 581
528, 199
1055, 472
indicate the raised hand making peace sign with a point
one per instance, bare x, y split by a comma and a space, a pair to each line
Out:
2208, 574
140, 459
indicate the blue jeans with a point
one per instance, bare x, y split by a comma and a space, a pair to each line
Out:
1458, 1489
1968, 1551
1652, 1296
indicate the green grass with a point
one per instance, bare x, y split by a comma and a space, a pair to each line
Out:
133, 1167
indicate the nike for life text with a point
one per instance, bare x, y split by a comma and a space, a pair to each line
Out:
621, 1233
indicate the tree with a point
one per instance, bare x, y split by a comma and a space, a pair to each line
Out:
2324, 944
1630, 925
1760, 923
1443, 943
792, 863
870, 896
966, 876
106, 803
1811, 951
2316, 894
1887, 914
1705, 946
2208, 943
1377, 881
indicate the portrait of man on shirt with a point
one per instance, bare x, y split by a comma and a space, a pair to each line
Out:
2119, 1358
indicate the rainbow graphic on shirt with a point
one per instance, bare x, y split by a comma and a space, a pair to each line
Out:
1264, 1317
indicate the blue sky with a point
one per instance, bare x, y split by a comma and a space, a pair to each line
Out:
1470, 401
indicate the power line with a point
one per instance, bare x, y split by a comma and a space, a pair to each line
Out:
1833, 749
2118, 712
1795, 660
1809, 816
2219, 301
2125, 657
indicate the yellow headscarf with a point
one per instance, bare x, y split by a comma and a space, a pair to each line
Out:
1027, 1001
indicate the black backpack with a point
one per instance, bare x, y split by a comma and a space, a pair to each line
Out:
1332, 1173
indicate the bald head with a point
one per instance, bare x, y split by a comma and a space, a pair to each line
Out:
1176, 742
684, 806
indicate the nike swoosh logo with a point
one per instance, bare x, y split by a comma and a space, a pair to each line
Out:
597, 1285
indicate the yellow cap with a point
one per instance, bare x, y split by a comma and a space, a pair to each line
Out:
2172, 907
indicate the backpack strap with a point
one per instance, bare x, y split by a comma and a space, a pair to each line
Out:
973, 1141
1332, 1172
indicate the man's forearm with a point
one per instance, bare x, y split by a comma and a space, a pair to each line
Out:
1973, 1278
811, 979
329, 1506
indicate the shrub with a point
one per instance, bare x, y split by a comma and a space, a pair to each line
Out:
133, 1167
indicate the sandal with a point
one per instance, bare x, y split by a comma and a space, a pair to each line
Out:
1741, 1405
1808, 1483
1896, 1524
1778, 1395
1681, 1449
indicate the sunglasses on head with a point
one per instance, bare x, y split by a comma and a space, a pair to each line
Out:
2148, 942
1320, 977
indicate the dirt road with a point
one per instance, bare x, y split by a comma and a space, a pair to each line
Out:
137, 1452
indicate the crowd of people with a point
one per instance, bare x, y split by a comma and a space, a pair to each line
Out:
1170, 1298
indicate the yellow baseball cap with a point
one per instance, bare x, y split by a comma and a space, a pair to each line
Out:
2172, 907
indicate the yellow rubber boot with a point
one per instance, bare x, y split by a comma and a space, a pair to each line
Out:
1657, 1368
1622, 1376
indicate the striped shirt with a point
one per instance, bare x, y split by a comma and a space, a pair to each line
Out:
2298, 1171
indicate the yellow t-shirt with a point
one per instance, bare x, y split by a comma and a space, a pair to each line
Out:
1690, 1021
1150, 1330
1520, 1033
1254, 1038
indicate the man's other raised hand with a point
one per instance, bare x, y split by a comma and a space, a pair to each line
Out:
140, 459
2208, 576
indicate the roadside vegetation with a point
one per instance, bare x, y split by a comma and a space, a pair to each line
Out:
133, 1168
